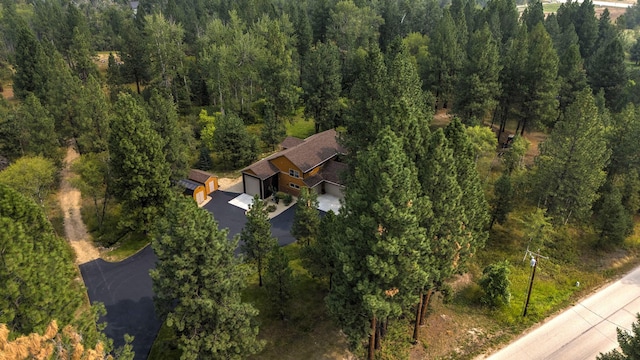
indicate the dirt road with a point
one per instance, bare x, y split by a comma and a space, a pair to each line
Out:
74, 228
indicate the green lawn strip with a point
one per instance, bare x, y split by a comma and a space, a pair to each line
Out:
129, 245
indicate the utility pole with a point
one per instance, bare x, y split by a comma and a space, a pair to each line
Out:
534, 265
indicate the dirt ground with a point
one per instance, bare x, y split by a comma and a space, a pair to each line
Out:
74, 227
8, 92
230, 184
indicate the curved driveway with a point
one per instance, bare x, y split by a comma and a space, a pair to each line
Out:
126, 287
584, 330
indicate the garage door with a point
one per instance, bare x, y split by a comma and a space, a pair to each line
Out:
251, 185
200, 197
334, 190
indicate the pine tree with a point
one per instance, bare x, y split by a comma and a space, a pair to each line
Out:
540, 104
629, 344
478, 88
613, 222
37, 274
438, 177
198, 283
447, 60
381, 266
306, 221
164, 119
635, 51
278, 281
321, 82
237, 148
320, 258
257, 241
93, 116
502, 203
37, 135
571, 72
475, 207
572, 160
533, 14
139, 170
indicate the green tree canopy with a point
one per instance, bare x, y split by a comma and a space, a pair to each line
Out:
33, 177
139, 170
37, 274
198, 282
572, 161
257, 241
306, 220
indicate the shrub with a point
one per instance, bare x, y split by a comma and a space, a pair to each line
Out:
271, 208
288, 199
495, 284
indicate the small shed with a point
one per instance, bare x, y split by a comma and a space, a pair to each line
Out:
208, 180
194, 189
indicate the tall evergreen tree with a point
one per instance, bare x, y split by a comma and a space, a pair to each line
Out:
502, 203
381, 267
198, 283
513, 79
571, 72
321, 257
278, 281
447, 57
321, 82
540, 103
572, 160
478, 88
164, 119
93, 114
306, 220
37, 135
37, 274
257, 241
533, 14
475, 208
235, 145
438, 177
140, 171
607, 71
613, 222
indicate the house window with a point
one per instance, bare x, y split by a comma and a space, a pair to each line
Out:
295, 186
294, 173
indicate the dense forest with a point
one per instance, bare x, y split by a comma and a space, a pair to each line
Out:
146, 90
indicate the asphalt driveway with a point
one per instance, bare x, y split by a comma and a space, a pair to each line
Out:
233, 218
125, 287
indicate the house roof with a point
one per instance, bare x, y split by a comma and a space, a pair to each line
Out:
330, 172
307, 155
188, 184
199, 175
290, 142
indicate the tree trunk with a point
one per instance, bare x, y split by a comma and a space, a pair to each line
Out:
260, 271
416, 327
372, 340
425, 304
378, 335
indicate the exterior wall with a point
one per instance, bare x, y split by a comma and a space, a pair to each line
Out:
211, 185
284, 179
199, 195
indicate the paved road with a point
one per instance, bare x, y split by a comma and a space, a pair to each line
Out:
125, 287
125, 290
584, 330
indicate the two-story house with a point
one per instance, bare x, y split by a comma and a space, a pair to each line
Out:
312, 162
